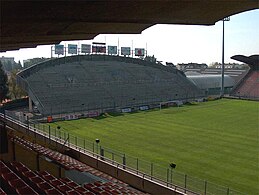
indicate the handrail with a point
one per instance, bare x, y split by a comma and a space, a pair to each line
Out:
111, 162
103, 159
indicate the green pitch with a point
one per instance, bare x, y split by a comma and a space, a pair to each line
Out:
216, 141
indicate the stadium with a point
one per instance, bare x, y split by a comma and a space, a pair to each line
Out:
102, 83
104, 123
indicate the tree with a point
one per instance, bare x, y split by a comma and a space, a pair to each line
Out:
3, 84
15, 91
150, 59
30, 62
17, 66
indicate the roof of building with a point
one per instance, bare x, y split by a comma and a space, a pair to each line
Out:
211, 81
30, 23
252, 60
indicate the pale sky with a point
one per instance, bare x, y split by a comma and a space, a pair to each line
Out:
178, 43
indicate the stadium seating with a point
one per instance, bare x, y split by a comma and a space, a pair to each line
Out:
12, 183
249, 87
103, 82
44, 182
41, 182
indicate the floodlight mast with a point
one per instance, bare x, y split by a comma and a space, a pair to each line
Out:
223, 51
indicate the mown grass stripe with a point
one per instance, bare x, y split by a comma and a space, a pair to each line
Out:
215, 141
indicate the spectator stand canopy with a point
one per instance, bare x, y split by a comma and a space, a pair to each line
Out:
30, 23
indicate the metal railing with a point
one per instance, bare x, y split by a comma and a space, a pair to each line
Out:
163, 175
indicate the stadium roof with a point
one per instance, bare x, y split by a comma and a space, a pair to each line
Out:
207, 81
30, 23
252, 60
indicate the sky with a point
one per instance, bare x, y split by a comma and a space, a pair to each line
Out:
178, 43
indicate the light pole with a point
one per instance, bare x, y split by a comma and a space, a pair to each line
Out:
97, 142
223, 51
172, 166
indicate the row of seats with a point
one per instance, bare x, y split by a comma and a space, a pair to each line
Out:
40, 182
249, 87
2, 192
12, 183
125, 84
110, 186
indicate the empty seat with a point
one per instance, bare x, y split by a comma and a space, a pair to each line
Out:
9, 176
72, 184
4, 170
25, 190
48, 177
44, 186
17, 183
65, 179
2, 192
36, 180
56, 182
52, 191
73, 192
43, 173
29, 174
63, 188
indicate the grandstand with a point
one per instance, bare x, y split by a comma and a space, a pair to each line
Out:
75, 20
211, 84
248, 87
101, 83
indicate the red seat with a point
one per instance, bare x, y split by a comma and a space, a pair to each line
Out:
64, 188
4, 170
56, 182
105, 193
52, 191
98, 183
25, 190
2, 192
43, 173
48, 177
81, 189
2, 164
17, 183
17, 164
29, 174
9, 176
36, 179
96, 190
72, 184
89, 193
44, 186
114, 192
88, 185
72, 192
65, 179
22, 169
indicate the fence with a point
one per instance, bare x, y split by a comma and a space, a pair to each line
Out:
169, 176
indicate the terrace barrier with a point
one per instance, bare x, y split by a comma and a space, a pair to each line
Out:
164, 175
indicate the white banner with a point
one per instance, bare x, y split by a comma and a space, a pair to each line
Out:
126, 110
144, 108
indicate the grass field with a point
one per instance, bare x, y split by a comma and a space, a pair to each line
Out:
217, 141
